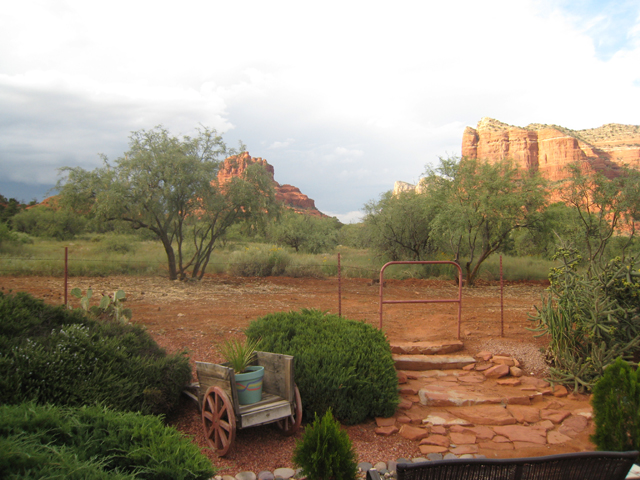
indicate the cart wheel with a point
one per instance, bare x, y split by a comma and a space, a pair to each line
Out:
218, 420
291, 424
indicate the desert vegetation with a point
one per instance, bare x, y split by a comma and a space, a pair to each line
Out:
77, 395
159, 210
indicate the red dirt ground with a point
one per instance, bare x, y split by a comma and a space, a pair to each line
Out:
198, 315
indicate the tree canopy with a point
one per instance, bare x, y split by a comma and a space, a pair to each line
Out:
168, 185
466, 210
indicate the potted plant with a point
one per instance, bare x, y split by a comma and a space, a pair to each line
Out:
239, 356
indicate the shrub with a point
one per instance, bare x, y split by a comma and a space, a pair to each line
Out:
41, 221
54, 355
259, 261
592, 317
94, 442
616, 408
325, 451
340, 364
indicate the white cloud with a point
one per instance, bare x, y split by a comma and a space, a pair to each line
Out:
283, 144
370, 92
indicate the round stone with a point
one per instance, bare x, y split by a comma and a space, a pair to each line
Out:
246, 476
450, 456
403, 460
284, 472
365, 466
265, 475
419, 459
380, 466
434, 456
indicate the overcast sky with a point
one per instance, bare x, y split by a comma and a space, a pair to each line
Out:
342, 98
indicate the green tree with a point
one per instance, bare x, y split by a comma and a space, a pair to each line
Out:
478, 205
604, 207
168, 185
400, 227
305, 233
9, 208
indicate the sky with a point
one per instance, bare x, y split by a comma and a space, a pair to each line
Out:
342, 98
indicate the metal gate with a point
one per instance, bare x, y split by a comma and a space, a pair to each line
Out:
458, 301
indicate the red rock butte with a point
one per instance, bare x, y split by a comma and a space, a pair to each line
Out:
289, 195
549, 149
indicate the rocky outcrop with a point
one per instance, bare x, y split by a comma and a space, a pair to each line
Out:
549, 149
289, 195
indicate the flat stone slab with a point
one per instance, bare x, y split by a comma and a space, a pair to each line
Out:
427, 348
460, 396
432, 362
486, 415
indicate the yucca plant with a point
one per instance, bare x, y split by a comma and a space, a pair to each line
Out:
239, 354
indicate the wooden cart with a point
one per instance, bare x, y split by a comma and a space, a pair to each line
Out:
218, 399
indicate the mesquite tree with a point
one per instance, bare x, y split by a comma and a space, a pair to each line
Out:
169, 185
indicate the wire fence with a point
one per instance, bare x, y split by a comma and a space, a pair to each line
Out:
335, 273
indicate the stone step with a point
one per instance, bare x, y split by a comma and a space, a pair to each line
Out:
427, 348
431, 362
459, 396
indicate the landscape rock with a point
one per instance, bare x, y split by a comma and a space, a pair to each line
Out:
464, 449
385, 422
429, 449
520, 433
463, 438
386, 431
554, 437
247, 476
284, 472
486, 415
440, 440
413, 433
556, 416
497, 371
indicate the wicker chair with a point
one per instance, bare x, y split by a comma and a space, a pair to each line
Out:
570, 466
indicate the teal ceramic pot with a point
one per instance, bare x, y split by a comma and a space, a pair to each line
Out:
249, 385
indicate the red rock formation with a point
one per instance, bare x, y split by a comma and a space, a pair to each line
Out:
549, 149
289, 195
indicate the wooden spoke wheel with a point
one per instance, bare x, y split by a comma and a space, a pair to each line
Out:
218, 420
290, 425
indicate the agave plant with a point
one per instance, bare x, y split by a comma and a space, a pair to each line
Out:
239, 354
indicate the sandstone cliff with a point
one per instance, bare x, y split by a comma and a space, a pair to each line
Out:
289, 195
550, 148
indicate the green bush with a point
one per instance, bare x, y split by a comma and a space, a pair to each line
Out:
340, 364
592, 317
54, 355
259, 261
616, 408
41, 221
94, 442
325, 451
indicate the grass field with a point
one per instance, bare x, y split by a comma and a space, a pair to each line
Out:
104, 255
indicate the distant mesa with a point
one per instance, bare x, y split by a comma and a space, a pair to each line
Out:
289, 195
549, 149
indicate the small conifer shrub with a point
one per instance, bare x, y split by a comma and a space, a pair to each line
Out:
616, 408
325, 451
